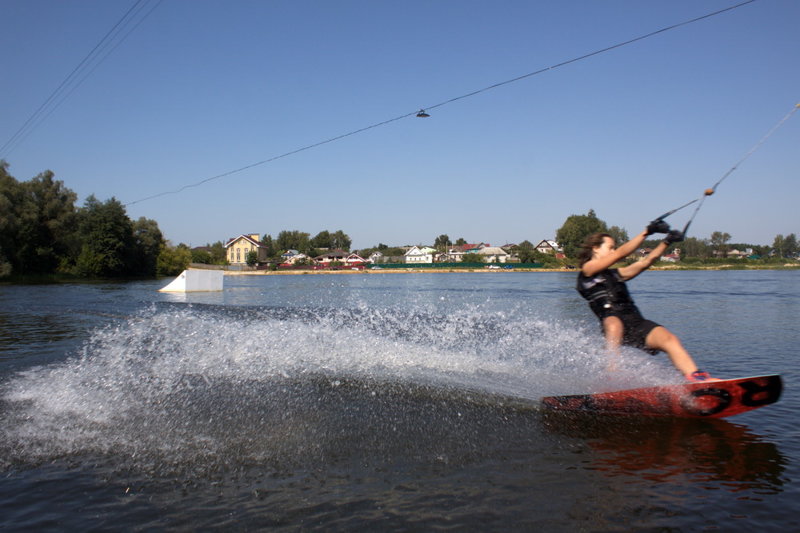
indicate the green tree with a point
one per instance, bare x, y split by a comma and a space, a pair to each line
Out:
785, 246
442, 242
382, 248
51, 218
37, 222
323, 239
460, 241
761, 250
546, 259
293, 240
341, 241
620, 235
694, 247
213, 254
11, 196
251, 258
107, 235
777, 245
575, 229
272, 249
201, 256
147, 240
473, 257
393, 252
218, 255
5, 266
790, 247
526, 252
338, 240
719, 242
172, 260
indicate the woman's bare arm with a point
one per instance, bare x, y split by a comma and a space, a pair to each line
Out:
593, 266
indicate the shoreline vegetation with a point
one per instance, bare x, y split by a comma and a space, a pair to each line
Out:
46, 238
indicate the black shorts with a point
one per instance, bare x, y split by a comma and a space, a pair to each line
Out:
635, 330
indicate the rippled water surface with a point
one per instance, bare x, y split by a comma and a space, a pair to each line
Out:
391, 401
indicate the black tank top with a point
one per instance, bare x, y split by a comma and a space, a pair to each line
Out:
606, 293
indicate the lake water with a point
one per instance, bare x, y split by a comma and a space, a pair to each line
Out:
388, 401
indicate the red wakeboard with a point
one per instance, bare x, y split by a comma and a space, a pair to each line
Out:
709, 399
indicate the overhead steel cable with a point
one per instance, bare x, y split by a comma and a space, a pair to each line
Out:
80, 73
287, 154
421, 112
110, 49
591, 54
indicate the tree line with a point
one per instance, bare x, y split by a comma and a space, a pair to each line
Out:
43, 232
306, 244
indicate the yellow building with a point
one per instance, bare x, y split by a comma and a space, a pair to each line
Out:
236, 249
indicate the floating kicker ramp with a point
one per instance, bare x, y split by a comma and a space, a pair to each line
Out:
191, 280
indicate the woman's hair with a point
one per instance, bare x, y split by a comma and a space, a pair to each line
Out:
595, 239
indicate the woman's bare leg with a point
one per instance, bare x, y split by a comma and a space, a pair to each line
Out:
613, 330
661, 338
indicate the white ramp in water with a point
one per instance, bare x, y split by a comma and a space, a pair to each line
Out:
196, 281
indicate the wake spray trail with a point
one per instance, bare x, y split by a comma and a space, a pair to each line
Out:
178, 383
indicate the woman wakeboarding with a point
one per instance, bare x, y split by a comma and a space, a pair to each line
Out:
605, 290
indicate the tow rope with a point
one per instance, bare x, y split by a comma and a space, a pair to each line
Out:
712, 190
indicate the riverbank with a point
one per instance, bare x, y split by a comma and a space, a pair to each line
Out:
47, 279
786, 266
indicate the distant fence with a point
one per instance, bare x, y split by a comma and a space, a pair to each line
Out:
388, 266
459, 265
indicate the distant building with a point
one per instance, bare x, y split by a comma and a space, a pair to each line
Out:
417, 254
355, 260
493, 254
293, 258
673, 257
550, 247
236, 249
456, 254
332, 256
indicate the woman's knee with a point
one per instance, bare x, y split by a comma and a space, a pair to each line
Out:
613, 326
662, 337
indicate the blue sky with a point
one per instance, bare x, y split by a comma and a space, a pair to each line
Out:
200, 88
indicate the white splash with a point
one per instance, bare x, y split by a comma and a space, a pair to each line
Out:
180, 378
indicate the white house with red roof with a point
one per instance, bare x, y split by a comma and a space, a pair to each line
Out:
354, 260
550, 247
456, 253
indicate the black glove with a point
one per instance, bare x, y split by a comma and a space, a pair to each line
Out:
674, 236
657, 226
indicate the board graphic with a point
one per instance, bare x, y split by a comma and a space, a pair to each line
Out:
710, 399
